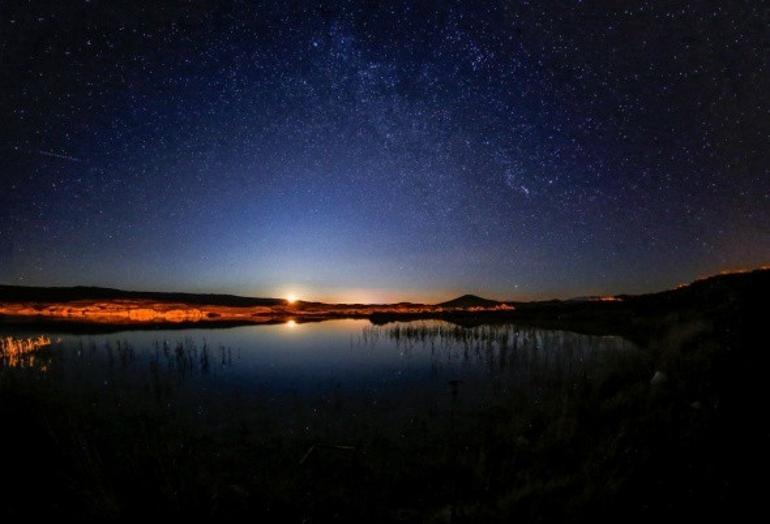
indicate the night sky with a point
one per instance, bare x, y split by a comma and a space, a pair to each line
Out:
377, 153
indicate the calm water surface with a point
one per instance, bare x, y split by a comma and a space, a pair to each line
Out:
345, 354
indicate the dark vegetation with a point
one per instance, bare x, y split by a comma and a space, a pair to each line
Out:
69, 294
674, 430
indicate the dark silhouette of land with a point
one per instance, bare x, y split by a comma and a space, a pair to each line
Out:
670, 428
44, 295
470, 301
83, 308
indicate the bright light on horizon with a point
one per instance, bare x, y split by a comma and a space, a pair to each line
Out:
291, 298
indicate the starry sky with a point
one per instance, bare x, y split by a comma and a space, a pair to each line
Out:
362, 151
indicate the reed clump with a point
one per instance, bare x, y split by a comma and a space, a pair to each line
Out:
16, 352
548, 426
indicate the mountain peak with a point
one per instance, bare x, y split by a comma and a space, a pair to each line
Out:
468, 301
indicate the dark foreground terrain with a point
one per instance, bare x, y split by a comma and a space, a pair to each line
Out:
673, 431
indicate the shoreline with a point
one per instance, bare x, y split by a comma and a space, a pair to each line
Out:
627, 315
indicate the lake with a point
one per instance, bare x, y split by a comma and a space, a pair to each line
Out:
342, 419
349, 355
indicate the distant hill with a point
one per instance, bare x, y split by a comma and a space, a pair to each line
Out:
725, 288
70, 294
469, 301
717, 289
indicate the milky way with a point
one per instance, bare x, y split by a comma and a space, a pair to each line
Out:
401, 151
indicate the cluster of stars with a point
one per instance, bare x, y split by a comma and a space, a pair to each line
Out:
508, 149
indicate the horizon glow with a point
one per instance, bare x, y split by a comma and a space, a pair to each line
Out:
373, 154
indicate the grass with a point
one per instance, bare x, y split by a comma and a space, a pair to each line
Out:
574, 435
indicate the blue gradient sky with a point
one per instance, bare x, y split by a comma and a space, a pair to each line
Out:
356, 153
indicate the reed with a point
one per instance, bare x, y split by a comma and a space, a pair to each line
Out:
553, 425
21, 352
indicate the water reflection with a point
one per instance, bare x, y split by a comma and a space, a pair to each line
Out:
21, 352
502, 355
500, 346
351, 353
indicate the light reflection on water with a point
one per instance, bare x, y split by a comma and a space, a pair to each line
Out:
21, 352
345, 353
